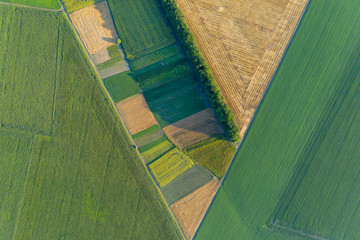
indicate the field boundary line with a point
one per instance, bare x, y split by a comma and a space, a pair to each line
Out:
255, 113
298, 232
121, 118
38, 8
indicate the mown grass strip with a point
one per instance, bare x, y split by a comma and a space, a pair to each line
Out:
157, 151
73, 5
146, 131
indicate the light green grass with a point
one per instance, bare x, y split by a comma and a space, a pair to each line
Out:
73, 5
121, 86
21, 61
115, 57
214, 154
50, 4
84, 180
14, 159
154, 57
148, 136
114, 51
186, 183
315, 62
156, 151
141, 25
170, 166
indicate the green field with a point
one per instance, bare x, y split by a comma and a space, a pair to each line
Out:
214, 154
154, 57
121, 86
175, 100
73, 5
79, 177
141, 25
296, 174
28, 104
148, 135
115, 57
162, 75
186, 183
170, 166
50, 4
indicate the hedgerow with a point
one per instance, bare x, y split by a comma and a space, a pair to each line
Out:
192, 51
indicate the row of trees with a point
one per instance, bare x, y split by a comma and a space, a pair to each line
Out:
192, 51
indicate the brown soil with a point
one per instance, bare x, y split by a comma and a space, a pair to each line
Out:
243, 41
190, 210
95, 27
136, 113
194, 129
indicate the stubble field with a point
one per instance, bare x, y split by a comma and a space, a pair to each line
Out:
243, 43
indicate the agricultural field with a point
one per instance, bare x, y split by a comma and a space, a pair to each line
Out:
190, 210
64, 172
95, 27
186, 183
194, 129
214, 154
136, 113
73, 5
243, 43
49, 4
121, 86
175, 100
142, 26
296, 173
169, 166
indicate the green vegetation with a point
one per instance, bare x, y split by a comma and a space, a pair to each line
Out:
188, 42
177, 105
64, 178
162, 75
186, 183
20, 60
14, 159
50, 4
156, 151
121, 86
115, 57
141, 25
154, 57
169, 166
148, 135
214, 154
73, 5
303, 141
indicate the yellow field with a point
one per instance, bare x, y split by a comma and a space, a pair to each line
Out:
170, 166
243, 42
95, 27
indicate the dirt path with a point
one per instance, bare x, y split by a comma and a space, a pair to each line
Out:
38, 8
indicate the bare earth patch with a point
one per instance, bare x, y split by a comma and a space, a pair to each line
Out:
190, 210
243, 42
136, 113
196, 128
100, 57
95, 27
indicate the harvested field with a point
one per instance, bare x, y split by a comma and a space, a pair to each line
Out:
186, 183
170, 166
190, 210
243, 43
194, 129
136, 113
95, 27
